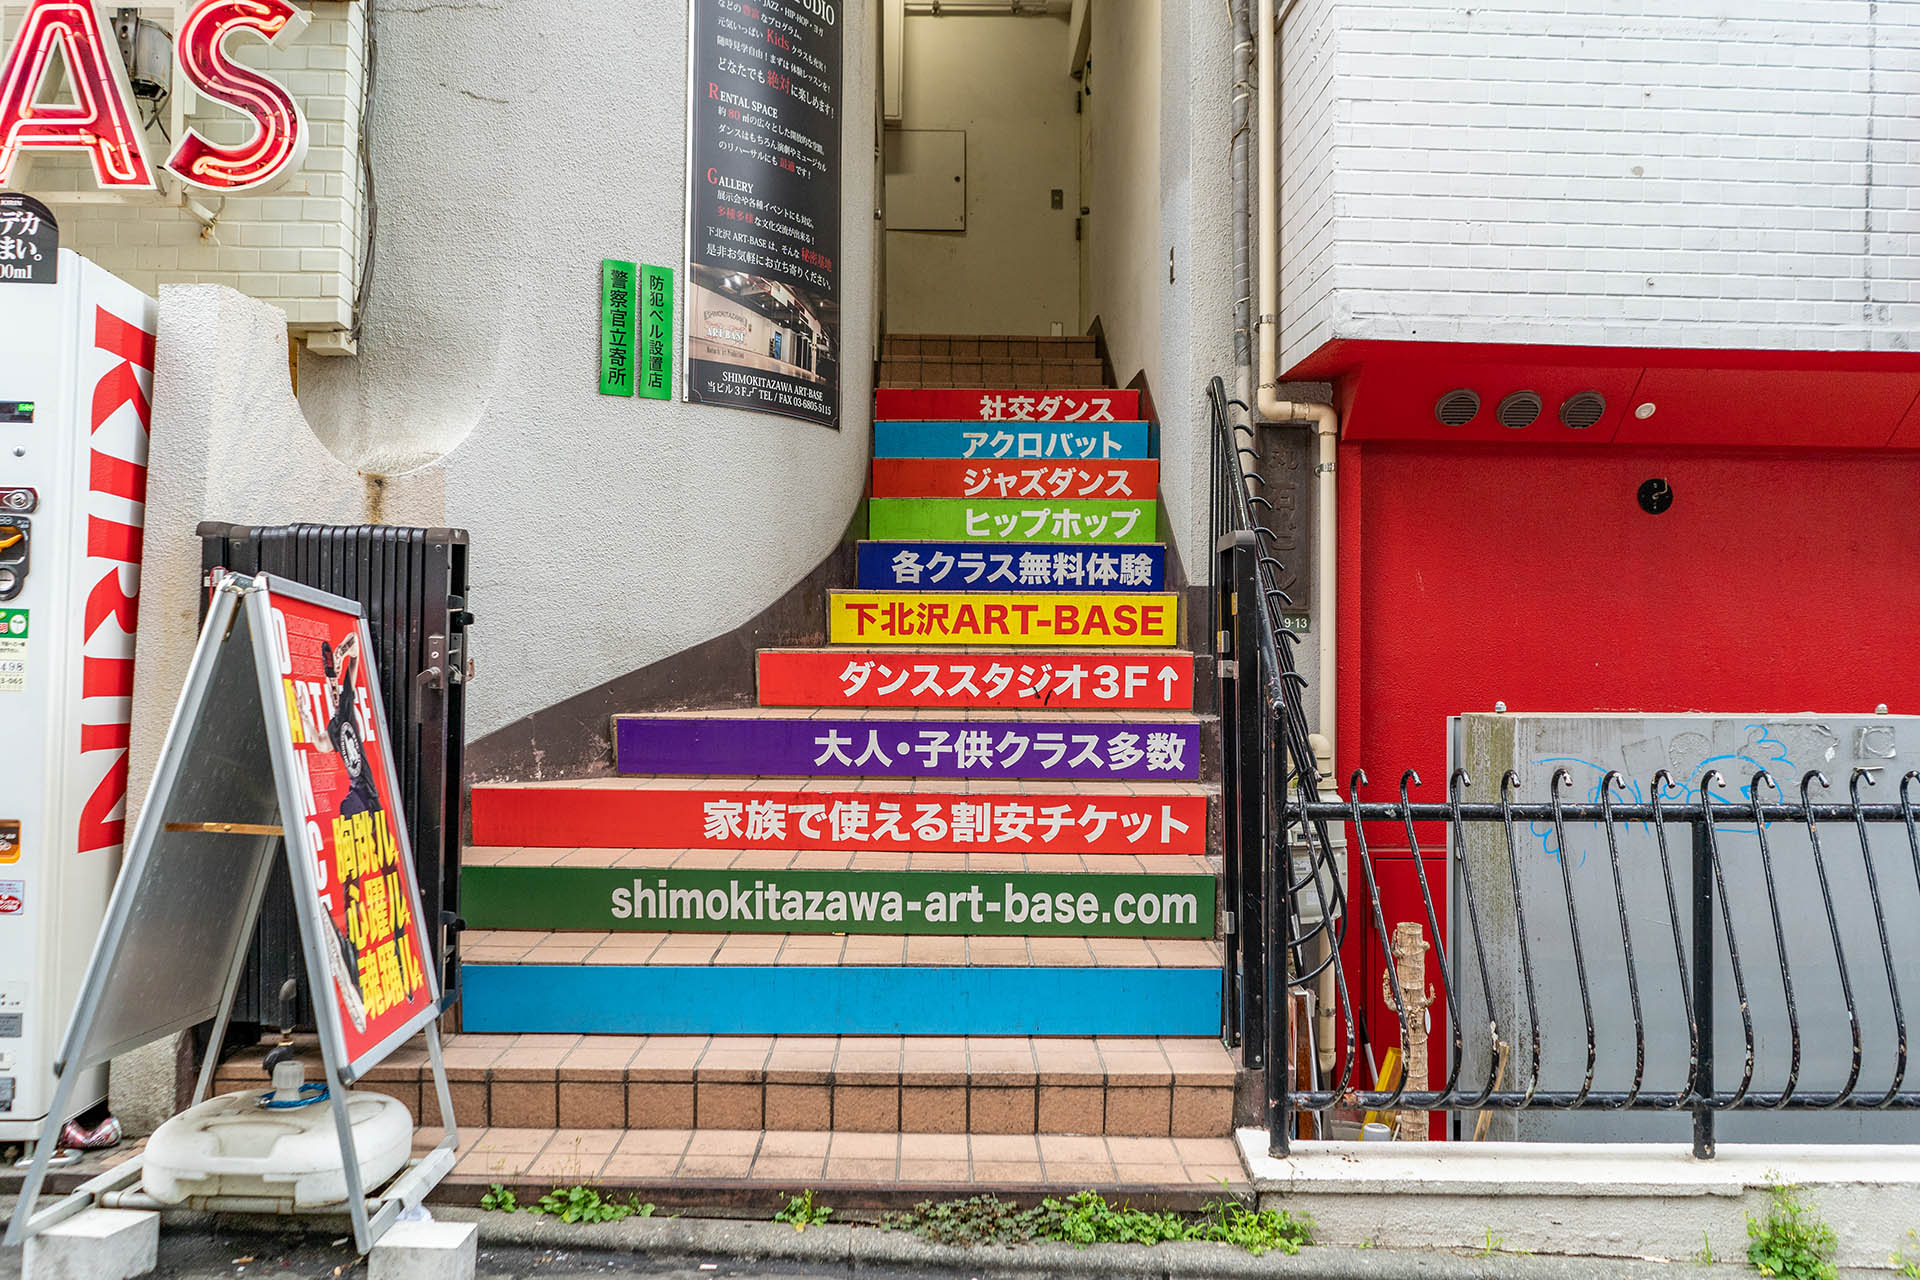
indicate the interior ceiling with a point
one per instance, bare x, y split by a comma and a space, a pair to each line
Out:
1388, 390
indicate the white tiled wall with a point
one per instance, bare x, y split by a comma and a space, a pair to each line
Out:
1739, 173
296, 245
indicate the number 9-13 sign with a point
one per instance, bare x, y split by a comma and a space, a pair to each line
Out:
101, 119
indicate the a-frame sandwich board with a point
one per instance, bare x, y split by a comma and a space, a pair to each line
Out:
278, 741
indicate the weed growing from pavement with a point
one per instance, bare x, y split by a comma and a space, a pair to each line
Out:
1907, 1262
1791, 1242
1088, 1218
803, 1211
569, 1204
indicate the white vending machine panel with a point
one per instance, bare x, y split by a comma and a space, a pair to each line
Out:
76, 387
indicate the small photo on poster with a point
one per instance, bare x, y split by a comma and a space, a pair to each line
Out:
752, 335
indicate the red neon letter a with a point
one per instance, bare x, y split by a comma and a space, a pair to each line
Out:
280, 132
100, 120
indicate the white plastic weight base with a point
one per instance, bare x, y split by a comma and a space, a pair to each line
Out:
425, 1251
232, 1146
98, 1244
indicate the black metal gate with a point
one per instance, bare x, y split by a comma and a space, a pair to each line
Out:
1678, 959
413, 584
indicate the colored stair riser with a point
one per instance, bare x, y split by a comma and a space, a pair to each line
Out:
1009, 442
1017, 904
829, 748
982, 618
1002, 681
1070, 405
1040, 566
1010, 520
847, 1000
898, 822
967, 478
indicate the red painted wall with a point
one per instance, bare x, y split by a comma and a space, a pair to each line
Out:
1778, 581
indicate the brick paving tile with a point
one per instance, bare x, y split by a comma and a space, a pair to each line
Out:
527, 1140
724, 1142
653, 1142
855, 1169
863, 1146
1004, 1147
787, 1144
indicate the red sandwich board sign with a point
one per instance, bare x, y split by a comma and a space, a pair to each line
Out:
279, 748
365, 902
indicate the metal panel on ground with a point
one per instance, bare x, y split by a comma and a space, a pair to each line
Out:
1777, 898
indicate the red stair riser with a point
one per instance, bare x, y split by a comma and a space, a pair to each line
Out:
643, 818
968, 478
959, 681
1082, 404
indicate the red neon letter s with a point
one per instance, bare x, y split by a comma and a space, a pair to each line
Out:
280, 131
100, 121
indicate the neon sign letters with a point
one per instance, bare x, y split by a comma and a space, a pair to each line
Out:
101, 119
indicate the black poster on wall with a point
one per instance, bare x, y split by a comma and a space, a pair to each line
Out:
29, 241
763, 207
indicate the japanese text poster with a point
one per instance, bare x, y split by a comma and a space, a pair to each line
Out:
763, 207
368, 908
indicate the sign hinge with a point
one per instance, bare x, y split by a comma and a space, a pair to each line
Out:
1229, 668
1230, 926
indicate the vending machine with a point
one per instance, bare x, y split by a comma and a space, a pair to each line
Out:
76, 386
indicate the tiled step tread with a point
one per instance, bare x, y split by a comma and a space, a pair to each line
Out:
993, 715
976, 346
1139, 1086
862, 1169
828, 860
912, 1060
764, 950
912, 376
947, 786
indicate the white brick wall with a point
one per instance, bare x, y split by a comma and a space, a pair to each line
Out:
297, 245
1306, 172
1695, 173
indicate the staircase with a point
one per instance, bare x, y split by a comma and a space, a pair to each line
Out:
936, 917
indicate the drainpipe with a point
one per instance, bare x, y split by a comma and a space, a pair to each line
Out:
1270, 408
1326, 428
1240, 151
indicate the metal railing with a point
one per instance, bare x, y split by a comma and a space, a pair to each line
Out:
1689, 947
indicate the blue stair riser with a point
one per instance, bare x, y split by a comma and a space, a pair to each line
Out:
969, 566
826, 1000
1011, 440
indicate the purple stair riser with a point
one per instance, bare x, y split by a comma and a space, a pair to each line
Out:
856, 748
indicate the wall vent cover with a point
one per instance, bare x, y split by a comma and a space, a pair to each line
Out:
1518, 410
1582, 409
1457, 408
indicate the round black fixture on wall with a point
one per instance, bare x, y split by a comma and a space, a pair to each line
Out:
1582, 409
1521, 409
1656, 495
1457, 408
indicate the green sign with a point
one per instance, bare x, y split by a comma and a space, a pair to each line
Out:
659, 900
656, 333
618, 282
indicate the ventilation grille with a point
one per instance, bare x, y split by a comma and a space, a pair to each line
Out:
1582, 409
1457, 408
1521, 409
